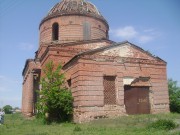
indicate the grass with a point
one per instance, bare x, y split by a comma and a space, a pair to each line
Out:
15, 124
163, 124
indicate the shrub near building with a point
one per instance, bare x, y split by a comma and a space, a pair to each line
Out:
55, 101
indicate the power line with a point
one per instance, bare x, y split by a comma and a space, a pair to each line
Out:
9, 6
5, 6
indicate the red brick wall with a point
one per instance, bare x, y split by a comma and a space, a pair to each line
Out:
71, 28
62, 54
27, 101
28, 88
88, 82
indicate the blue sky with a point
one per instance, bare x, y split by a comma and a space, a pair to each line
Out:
153, 25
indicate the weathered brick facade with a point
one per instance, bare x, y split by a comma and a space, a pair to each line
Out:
99, 70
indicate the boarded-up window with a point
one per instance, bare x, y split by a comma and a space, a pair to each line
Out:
55, 31
87, 31
109, 90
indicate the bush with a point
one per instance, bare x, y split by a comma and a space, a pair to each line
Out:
163, 125
55, 103
174, 96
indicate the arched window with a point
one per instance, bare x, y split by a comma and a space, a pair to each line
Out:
86, 31
55, 31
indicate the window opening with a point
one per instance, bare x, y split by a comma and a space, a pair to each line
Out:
55, 31
109, 90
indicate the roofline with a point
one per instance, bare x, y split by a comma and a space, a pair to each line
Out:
73, 44
111, 46
103, 48
90, 51
26, 65
148, 53
78, 42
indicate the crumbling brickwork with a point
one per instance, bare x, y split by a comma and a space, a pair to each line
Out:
88, 89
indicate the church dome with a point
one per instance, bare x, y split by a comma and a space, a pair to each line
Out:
75, 7
73, 20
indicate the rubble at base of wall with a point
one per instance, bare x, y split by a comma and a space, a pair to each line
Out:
27, 114
87, 114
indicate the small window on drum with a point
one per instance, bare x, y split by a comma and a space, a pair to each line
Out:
87, 31
55, 31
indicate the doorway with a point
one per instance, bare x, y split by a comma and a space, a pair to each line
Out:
136, 99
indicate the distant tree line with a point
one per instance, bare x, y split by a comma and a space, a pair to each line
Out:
9, 109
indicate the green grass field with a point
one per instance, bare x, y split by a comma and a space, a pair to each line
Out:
15, 124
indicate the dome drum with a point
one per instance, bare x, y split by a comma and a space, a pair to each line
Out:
76, 19
75, 7
72, 29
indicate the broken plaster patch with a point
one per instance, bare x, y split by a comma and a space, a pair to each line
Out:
123, 51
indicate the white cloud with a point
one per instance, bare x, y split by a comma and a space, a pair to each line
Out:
131, 33
145, 39
126, 32
26, 46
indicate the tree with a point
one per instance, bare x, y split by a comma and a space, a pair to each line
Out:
55, 100
7, 109
174, 96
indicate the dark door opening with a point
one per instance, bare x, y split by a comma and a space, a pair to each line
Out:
136, 100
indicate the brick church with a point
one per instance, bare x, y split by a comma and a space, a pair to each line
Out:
107, 79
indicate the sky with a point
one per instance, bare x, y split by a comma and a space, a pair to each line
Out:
153, 25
